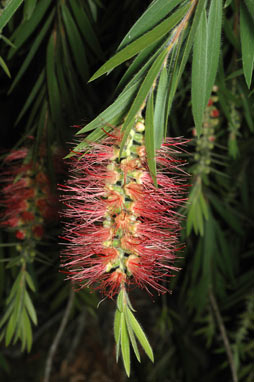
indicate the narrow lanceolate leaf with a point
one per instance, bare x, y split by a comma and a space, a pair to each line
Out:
5, 67
149, 138
250, 6
142, 94
32, 95
214, 40
200, 72
153, 15
30, 308
86, 28
75, 42
52, 83
247, 43
125, 345
140, 334
142, 42
8, 11
160, 107
113, 113
181, 59
132, 338
117, 331
34, 47
25, 30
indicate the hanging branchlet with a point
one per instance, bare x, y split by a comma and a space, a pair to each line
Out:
204, 145
27, 204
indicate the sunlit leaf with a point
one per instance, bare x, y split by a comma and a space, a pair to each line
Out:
143, 91
140, 334
149, 138
125, 345
160, 107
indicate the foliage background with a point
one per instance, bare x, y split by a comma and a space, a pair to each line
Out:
203, 331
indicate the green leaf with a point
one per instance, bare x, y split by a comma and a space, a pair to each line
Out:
5, 67
142, 42
30, 282
86, 28
141, 95
33, 49
125, 345
140, 334
16, 286
141, 64
160, 107
52, 83
250, 6
76, 44
114, 113
7, 313
27, 335
31, 96
132, 338
199, 72
204, 206
117, 331
247, 43
155, 13
10, 329
181, 60
149, 138
8, 11
120, 304
30, 308
214, 41
25, 30
29, 8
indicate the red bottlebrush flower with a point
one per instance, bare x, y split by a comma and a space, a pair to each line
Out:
20, 235
25, 186
215, 113
38, 231
120, 228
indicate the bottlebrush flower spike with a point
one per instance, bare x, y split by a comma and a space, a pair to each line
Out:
26, 197
120, 229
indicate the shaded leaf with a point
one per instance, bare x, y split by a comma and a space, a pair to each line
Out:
5, 67
247, 43
199, 72
25, 30
34, 47
8, 11
76, 44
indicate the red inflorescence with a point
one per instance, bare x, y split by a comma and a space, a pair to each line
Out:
120, 228
26, 197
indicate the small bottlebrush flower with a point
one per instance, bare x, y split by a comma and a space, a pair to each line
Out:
27, 200
121, 229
